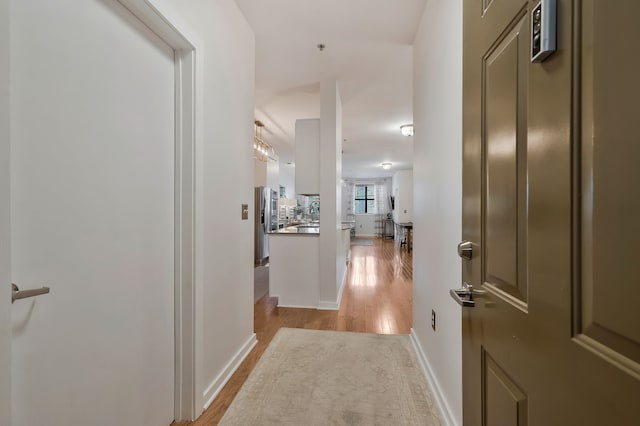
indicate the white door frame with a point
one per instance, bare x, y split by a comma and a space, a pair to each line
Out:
165, 25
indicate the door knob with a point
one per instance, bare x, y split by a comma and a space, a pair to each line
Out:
465, 250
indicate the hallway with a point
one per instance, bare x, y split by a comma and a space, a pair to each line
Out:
377, 298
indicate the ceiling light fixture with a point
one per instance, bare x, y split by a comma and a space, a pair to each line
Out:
407, 129
386, 166
263, 151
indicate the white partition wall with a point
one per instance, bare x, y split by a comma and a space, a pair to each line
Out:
332, 265
402, 187
224, 164
437, 197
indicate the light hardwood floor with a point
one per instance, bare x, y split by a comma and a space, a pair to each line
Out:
377, 298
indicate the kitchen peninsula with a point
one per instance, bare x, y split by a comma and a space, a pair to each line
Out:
294, 266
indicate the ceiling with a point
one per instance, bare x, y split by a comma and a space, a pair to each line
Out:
368, 51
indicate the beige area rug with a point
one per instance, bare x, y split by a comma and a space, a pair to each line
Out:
310, 377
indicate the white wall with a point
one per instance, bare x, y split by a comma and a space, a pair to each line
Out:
344, 255
5, 259
224, 249
340, 252
347, 198
308, 155
259, 173
366, 225
273, 175
402, 189
438, 193
265, 173
287, 178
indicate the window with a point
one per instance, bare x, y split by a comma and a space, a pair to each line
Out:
365, 201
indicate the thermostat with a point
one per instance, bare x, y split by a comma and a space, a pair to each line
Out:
543, 30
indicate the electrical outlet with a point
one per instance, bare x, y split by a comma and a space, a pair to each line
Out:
433, 320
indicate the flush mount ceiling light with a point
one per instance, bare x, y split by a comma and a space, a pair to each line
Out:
407, 129
386, 166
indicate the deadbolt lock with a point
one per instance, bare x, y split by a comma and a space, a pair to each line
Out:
465, 250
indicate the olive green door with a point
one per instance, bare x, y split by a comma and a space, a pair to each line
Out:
551, 201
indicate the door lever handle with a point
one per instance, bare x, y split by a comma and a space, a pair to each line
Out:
16, 293
464, 295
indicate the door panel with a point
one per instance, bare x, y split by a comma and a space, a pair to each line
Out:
549, 195
505, 100
503, 401
610, 152
485, 5
92, 169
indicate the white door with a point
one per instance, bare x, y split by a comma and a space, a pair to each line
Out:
5, 263
92, 215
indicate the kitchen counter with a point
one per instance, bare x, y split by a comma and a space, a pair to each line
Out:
296, 230
348, 224
294, 268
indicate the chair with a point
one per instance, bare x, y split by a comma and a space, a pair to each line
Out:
388, 229
400, 237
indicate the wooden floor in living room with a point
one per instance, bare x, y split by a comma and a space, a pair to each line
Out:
377, 298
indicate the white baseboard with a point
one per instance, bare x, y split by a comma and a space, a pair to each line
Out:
285, 305
296, 306
328, 306
322, 306
441, 401
216, 386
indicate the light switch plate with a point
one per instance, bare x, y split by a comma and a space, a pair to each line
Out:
245, 211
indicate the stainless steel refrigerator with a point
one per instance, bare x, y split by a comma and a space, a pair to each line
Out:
266, 220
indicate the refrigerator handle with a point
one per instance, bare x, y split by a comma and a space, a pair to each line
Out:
264, 220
